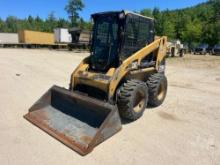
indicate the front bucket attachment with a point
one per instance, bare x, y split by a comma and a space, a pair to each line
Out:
78, 121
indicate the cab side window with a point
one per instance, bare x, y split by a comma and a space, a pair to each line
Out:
137, 34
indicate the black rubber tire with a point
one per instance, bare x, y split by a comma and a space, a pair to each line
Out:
154, 87
181, 53
126, 99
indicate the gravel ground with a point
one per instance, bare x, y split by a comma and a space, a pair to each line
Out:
184, 130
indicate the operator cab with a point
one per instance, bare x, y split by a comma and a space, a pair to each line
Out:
116, 36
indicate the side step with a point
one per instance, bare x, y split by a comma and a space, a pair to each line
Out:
80, 122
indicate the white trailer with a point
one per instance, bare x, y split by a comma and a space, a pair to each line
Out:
62, 35
8, 38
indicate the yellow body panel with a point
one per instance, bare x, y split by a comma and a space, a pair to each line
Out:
92, 79
108, 82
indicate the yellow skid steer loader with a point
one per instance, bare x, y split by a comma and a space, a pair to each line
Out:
124, 73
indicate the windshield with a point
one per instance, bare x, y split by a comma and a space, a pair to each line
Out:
105, 41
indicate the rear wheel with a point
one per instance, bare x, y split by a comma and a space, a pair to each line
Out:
157, 84
181, 53
132, 98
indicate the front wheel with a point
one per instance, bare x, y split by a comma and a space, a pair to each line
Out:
132, 98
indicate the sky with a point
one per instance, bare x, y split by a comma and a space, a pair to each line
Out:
24, 8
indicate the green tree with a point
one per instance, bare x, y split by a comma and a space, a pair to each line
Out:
216, 20
146, 12
23, 24
11, 24
158, 19
38, 24
2, 26
85, 25
180, 24
29, 23
51, 22
62, 23
200, 23
168, 27
72, 8
209, 34
193, 32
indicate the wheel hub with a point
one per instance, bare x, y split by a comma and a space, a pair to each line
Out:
139, 102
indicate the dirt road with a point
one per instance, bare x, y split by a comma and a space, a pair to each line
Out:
185, 130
